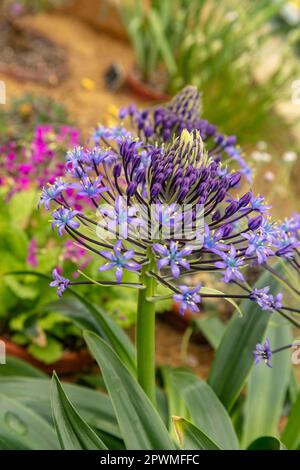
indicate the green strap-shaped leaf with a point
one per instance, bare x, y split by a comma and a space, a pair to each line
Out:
141, 426
176, 404
267, 387
291, 434
267, 443
206, 410
159, 37
86, 315
212, 327
21, 428
73, 431
104, 324
192, 438
94, 406
234, 357
17, 368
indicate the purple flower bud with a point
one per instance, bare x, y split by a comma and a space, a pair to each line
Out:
148, 131
123, 113
220, 197
155, 190
255, 222
231, 209
231, 140
244, 200
226, 230
216, 216
117, 170
234, 180
140, 176
219, 139
131, 189
131, 110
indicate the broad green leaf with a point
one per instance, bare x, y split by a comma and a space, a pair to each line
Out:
192, 438
51, 352
291, 434
234, 358
267, 387
88, 316
206, 410
95, 407
294, 388
141, 426
176, 404
110, 330
22, 205
73, 431
267, 443
22, 428
17, 368
212, 328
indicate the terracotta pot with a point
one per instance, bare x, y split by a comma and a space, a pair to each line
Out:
70, 363
143, 91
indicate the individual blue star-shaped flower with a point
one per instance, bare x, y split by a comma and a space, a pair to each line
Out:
119, 260
263, 353
290, 225
74, 160
268, 229
89, 188
265, 300
188, 298
286, 244
62, 283
258, 204
173, 256
259, 246
51, 192
64, 218
231, 264
115, 133
101, 132
211, 241
98, 155
120, 218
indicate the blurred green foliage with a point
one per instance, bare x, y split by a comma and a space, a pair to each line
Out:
219, 47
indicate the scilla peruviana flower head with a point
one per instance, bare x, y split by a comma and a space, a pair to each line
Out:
135, 220
161, 123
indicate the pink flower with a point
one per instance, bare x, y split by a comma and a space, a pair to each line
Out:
32, 253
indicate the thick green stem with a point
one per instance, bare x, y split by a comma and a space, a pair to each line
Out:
145, 336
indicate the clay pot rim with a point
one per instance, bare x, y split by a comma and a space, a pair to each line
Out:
144, 90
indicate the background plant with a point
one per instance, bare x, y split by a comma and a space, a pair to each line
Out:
189, 42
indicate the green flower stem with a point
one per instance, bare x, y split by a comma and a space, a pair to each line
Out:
145, 336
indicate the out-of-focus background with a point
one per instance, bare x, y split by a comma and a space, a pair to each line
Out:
67, 65
94, 55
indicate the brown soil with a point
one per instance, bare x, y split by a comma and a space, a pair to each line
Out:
89, 53
168, 350
26, 54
